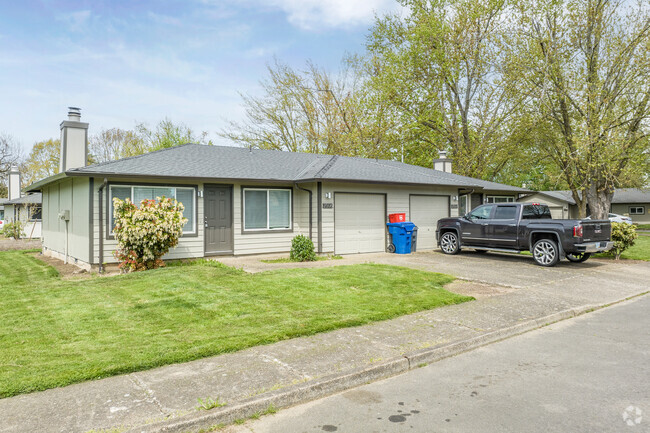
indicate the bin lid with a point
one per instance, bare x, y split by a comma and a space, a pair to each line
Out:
407, 225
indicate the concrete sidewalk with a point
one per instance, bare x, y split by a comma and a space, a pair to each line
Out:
147, 398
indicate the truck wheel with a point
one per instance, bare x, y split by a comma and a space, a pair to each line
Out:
546, 252
578, 257
449, 243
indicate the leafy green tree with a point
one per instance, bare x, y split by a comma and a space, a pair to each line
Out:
585, 65
442, 65
167, 134
315, 111
42, 161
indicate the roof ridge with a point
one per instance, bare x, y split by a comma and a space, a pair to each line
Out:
326, 167
304, 170
101, 164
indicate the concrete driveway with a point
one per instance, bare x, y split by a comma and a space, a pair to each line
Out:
599, 279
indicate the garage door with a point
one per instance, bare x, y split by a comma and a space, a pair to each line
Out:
359, 223
556, 212
425, 211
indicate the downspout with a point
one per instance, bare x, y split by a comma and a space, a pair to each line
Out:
101, 225
319, 203
310, 208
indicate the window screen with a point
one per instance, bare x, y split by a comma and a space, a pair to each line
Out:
255, 216
267, 209
186, 197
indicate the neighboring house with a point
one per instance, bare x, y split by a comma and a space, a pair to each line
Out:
631, 202
248, 201
26, 209
2, 211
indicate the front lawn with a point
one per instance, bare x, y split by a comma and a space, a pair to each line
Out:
56, 332
640, 250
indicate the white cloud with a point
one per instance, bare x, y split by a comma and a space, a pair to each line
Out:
313, 14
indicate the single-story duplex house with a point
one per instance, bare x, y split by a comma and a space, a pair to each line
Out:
249, 201
632, 202
23, 208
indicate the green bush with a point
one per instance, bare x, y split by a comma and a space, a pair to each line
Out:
302, 249
13, 230
623, 235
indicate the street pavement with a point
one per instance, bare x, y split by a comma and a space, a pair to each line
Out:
587, 374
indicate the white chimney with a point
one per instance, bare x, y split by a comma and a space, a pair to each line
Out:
14, 183
442, 163
74, 141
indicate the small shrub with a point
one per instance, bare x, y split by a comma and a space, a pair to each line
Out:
623, 236
302, 249
144, 234
13, 230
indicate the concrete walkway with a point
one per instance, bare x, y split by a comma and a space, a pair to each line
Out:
509, 291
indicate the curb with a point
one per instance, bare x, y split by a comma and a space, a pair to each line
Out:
338, 382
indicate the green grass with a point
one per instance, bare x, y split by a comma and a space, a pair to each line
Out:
640, 250
288, 260
643, 226
56, 332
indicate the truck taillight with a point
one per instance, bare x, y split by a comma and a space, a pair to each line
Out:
577, 231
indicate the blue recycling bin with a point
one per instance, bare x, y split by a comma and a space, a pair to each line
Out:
401, 236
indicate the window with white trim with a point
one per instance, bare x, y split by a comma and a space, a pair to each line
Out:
637, 210
499, 199
266, 209
137, 193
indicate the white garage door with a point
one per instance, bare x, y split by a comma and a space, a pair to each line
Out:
359, 223
556, 212
425, 211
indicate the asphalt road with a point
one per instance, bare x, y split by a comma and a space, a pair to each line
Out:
588, 374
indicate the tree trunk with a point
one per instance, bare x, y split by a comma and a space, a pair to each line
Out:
599, 200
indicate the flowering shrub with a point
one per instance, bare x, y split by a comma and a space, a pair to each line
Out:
623, 235
146, 233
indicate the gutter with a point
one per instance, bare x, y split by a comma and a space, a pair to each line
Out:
310, 208
101, 225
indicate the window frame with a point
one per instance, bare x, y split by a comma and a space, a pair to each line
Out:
244, 230
635, 208
489, 199
29, 212
109, 204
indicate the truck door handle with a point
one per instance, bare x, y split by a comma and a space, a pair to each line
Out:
484, 224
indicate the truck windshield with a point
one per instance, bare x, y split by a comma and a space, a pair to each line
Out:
536, 212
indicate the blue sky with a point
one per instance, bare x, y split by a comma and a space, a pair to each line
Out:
133, 61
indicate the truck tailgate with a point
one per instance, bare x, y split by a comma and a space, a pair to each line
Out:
596, 230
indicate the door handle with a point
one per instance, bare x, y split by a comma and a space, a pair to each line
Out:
484, 224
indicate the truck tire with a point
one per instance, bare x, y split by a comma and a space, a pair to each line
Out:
546, 253
449, 243
578, 257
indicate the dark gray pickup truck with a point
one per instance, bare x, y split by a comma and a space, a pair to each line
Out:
516, 227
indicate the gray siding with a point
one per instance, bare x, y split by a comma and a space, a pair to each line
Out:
188, 246
624, 209
69, 194
397, 201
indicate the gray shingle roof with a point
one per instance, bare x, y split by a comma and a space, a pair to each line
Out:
621, 195
36, 198
223, 162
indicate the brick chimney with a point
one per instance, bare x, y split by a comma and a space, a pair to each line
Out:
14, 183
74, 141
442, 163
